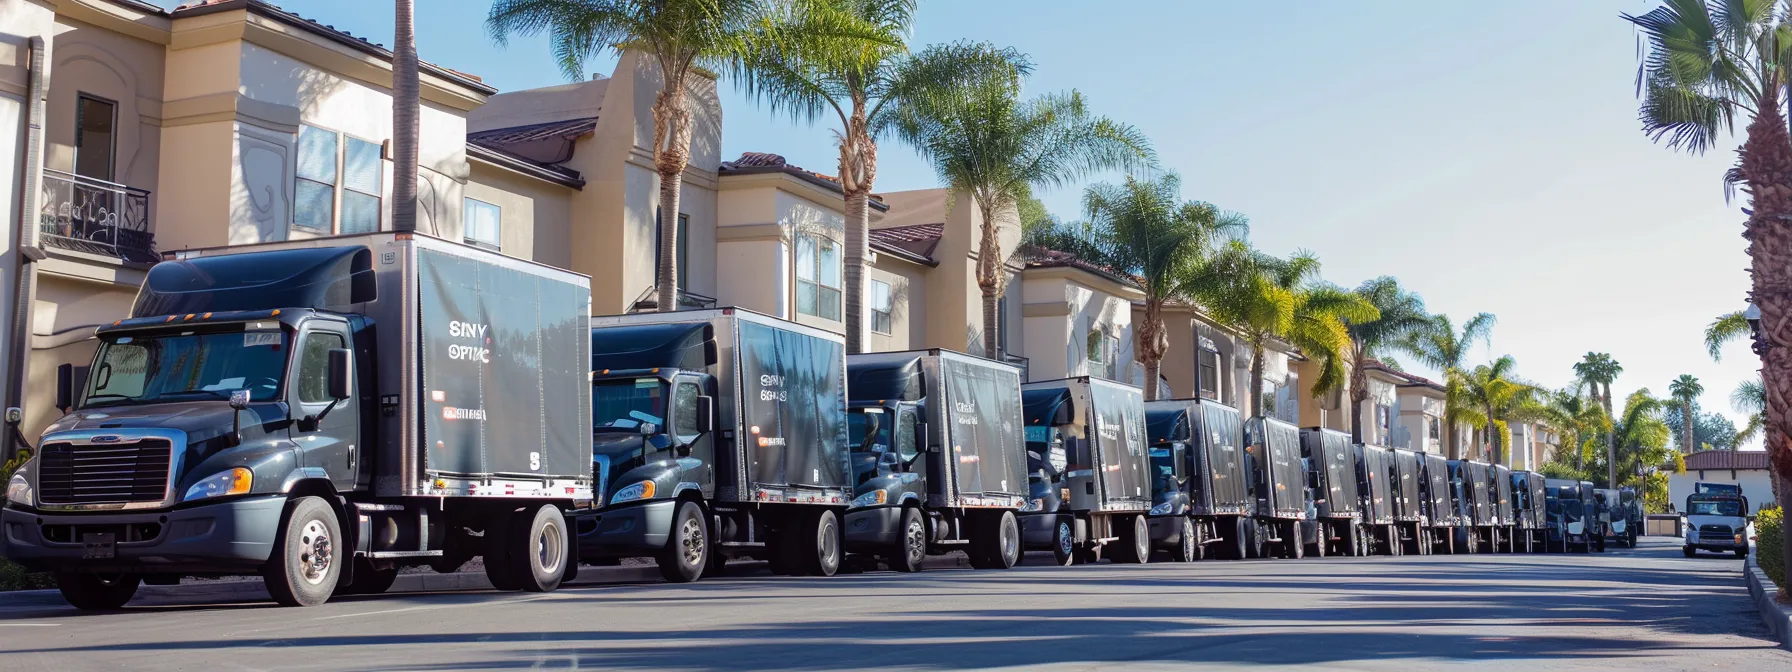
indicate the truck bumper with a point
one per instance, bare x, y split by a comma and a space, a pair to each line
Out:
1038, 530
235, 536
1725, 544
874, 529
628, 531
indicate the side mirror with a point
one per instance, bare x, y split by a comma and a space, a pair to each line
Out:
65, 387
14, 415
649, 429
706, 414
239, 399
342, 374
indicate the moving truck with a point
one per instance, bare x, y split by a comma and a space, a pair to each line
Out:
1201, 491
1374, 473
717, 433
319, 412
1570, 506
1476, 530
1716, 521
1284, 520
1089, 470
1442, 513
1331, 474
1528, 506
1504, 511
1410, 517
938, 458
1632, 507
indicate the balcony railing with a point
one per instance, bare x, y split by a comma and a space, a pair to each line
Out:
650, 301
95, 216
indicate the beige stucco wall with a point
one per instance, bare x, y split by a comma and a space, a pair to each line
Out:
954, 318
72, 299
20, 20
1061, 307
761, 217
123, 70
536, 219
1418, 406
908, 304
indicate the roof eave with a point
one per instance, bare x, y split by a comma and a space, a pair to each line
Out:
501, 160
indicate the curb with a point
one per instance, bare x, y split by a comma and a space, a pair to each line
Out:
1778, 617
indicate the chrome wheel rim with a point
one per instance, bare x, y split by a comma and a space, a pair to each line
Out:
1008, 545
315, 552
690, 535
547, 548
1065, 543
916, 539
827, 544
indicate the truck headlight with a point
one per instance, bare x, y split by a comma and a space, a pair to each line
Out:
1033, 504
1163, 508
642, 490
233, 481
873, 498
18, 490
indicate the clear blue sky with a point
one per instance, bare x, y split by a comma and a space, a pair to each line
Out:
1487, 154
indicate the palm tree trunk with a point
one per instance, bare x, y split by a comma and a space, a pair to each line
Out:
1256, 391
1767, 162
1152, 343
990, 277
1686, 436
858, 170
671, 153
1359, 390
1493, 440
1611, 440
406, 93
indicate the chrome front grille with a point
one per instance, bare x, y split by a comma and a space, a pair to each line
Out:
131, 471
1715, 531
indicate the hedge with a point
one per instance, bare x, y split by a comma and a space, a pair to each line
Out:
1769, 551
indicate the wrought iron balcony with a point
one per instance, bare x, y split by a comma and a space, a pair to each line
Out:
95, 216
650, 301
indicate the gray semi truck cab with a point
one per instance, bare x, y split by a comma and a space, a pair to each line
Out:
939, 460
262, 411
716, 433
1716, 521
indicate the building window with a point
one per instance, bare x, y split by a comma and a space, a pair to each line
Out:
484, 224
1101, 348
337, 183
95, 121
1383, 418
1433, 429
818, 277
1001, 326
1209, 371
880, 307
682, 254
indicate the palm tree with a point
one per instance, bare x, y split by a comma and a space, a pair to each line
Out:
984, 141
1641, 436
1442, 347
686, 39
1399, 315
862, 84
1141, 230
1704, 62
1494, 398
1750, 397
406, 96
1598, 370
1685, 390
1264, 297
1568, 411
1727, 327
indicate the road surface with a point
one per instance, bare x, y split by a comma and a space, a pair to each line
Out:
1647, 609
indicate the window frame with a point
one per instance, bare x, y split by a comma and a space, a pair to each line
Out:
824, 293
467, 204
885, 315
303, 368
340, 185
675, 410
81, 98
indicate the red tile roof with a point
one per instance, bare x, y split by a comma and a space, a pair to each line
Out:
1410, 379
918, 239
1727, 459
751, 163
1038, 257
569, 129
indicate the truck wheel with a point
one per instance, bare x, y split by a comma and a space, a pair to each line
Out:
1008, 544
687, 551
824, 534
307, 558
1134, 545
497, 562
1351, 546
1064, 544
368, 580
1687, 551
1253, 542
97, 592
1188, 549
911, 549
537, 557
1394, 548
1292, 548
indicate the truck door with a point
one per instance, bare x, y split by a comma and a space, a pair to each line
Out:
694, 449
327, 443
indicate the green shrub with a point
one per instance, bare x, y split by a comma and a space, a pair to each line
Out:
14, 577
1769, 551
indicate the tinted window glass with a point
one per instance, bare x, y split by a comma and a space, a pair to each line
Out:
684, 408
314, 367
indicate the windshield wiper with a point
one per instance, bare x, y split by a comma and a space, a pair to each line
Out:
104, 399
210, 393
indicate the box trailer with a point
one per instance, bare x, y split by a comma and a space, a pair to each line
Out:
938, 458
1569, 504
1375, 475
1337, 504
1505, 511
1283, 520
1410, 518
1631, 507
1086, 442
1200, 488
717, 433
320, 412
1528, 510
1441, 509
1473, 480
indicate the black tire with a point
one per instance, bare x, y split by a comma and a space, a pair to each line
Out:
1064, 543
307, 558
539, 553
823, 553
1689, 551
1008, 541
1741, 553
1292, 546
97, 592
983, 542
1188, 546
368, 579
1253, 541
687, 548
911, 547
1134, 545
1394, 547
497, 554
1352, 547
1089, 555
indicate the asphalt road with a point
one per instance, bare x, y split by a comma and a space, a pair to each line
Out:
1643, 609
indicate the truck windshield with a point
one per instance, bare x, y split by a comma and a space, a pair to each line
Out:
1724, 508
151, 369
878, 440
626, 403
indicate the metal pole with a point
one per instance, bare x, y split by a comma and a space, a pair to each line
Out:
25, 275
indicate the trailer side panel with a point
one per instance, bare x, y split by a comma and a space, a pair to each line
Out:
793, 399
